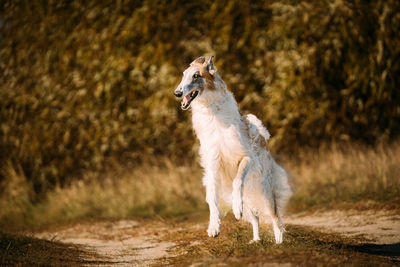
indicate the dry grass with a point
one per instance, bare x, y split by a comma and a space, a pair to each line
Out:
302, 247
147, 191
346, 174
324, 178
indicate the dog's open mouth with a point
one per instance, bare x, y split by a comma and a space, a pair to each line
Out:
187, 99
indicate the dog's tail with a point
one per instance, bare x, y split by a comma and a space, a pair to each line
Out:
281, 188
256, 127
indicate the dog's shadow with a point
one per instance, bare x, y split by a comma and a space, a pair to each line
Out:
390, 250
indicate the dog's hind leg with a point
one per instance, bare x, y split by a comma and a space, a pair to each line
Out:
254, 220
277, 224
278, 229
237, 187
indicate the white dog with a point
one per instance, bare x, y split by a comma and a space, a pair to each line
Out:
238, 166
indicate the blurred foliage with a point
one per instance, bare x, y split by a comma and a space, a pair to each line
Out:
86, 85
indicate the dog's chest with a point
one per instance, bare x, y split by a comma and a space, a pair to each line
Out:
221, 135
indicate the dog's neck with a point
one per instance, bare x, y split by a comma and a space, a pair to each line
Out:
217, 107
218, 101
215, 98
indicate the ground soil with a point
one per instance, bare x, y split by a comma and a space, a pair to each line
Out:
148, 242
372, 226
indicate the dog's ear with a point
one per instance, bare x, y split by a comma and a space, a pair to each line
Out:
210, 65
199, 60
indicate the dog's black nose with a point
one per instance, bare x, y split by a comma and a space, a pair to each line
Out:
178, 93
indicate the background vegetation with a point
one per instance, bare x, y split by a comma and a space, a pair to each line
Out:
87, 88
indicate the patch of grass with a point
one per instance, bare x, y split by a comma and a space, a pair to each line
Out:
29, 251
143, 192
346, 174
302, 247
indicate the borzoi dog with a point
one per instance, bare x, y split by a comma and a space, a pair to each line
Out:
238, 167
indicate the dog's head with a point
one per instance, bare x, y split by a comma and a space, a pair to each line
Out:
197, 78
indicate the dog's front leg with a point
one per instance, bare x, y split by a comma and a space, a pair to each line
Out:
237, 186
210, 182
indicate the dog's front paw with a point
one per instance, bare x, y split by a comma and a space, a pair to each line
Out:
237, 207
213, 229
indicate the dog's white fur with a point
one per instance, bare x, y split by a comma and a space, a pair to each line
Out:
237, 164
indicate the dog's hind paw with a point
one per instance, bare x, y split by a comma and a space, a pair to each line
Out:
255, 241
278, 235
213, 230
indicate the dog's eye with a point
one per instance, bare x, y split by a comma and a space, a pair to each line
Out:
195, 76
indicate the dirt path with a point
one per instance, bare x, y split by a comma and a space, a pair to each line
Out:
125, 242
372, 226
142, 243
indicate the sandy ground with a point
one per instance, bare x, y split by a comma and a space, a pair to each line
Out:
125, 242
372, 226
140, 243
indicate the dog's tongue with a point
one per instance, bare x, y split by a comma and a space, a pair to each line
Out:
186, 99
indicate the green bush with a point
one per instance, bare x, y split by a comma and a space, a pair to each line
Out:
85, 86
